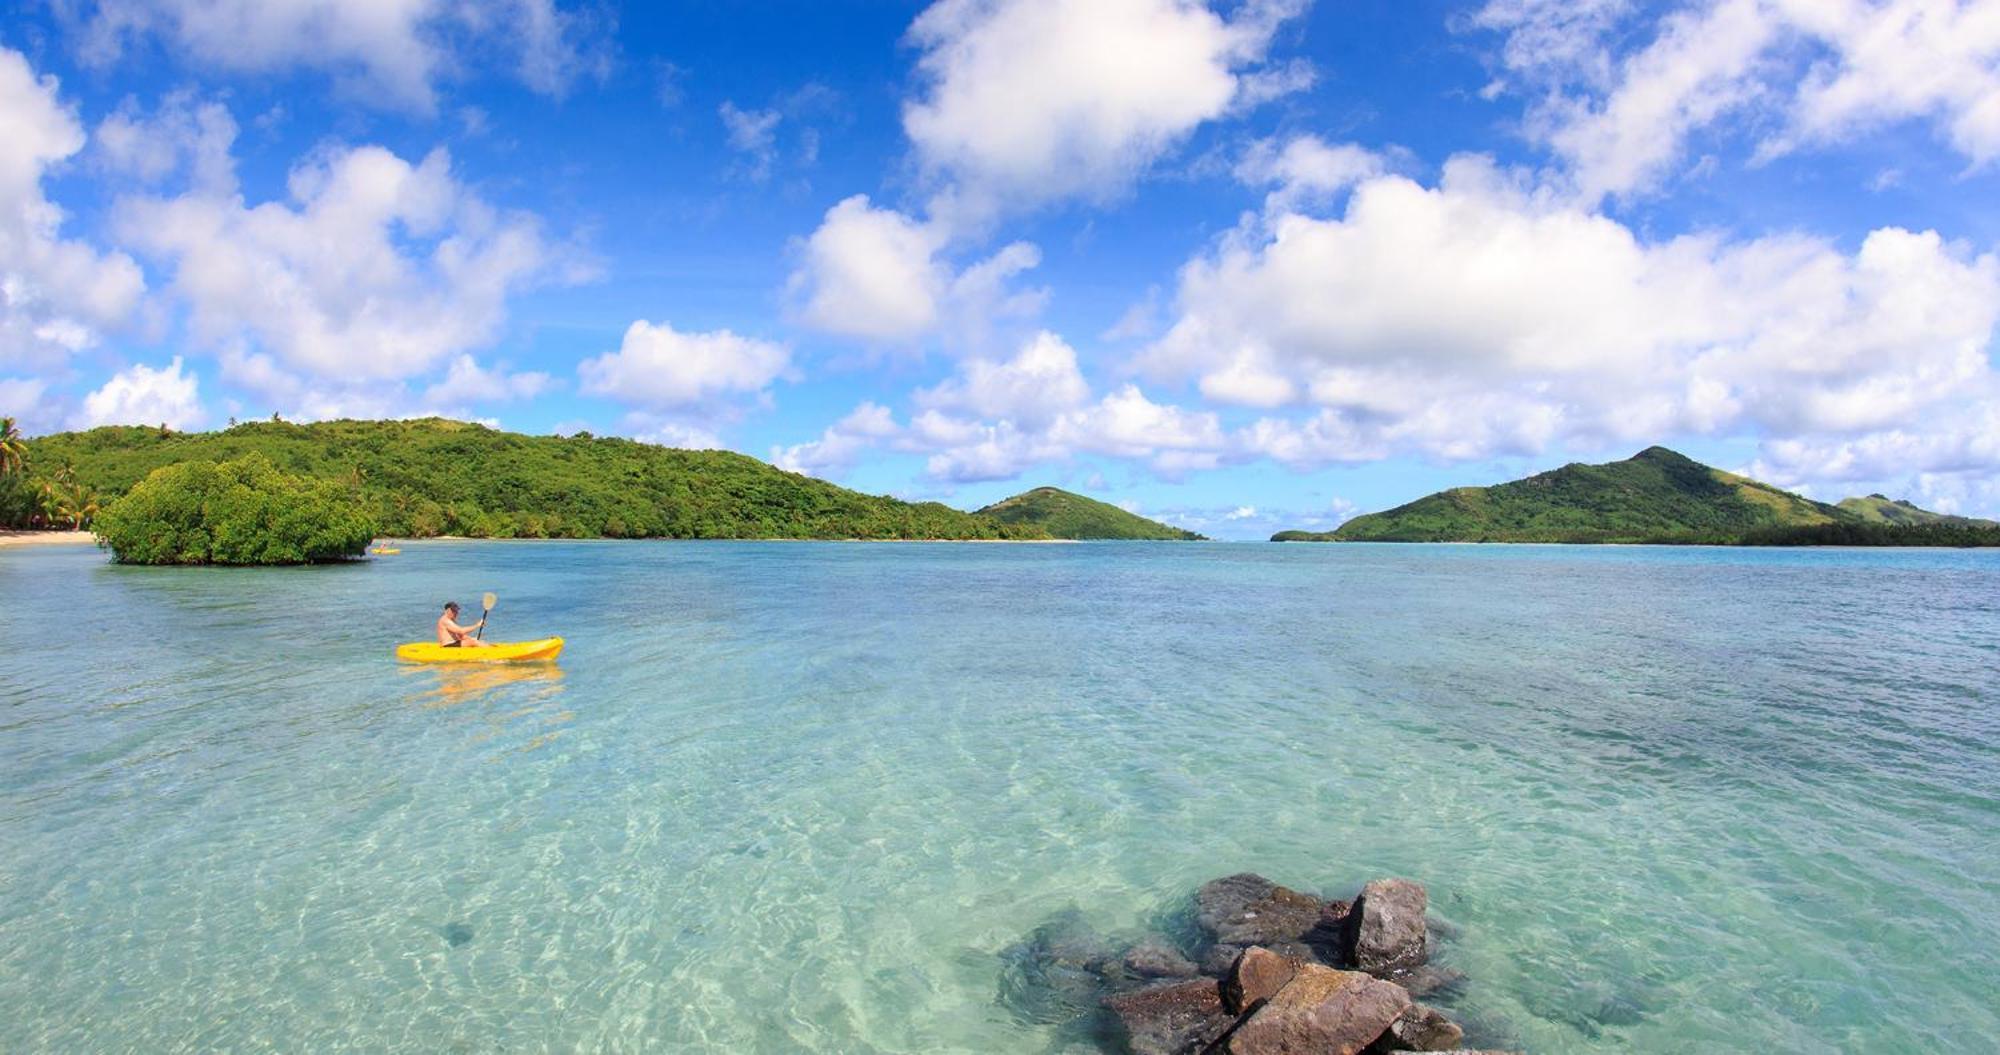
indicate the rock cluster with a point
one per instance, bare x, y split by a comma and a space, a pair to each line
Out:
1276, 972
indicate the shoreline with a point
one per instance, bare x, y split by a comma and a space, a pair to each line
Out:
980, 541
11, 537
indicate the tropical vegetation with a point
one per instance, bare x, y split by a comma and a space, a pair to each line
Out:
1063, 514
433, 477
58, 500
241, 511
1656, 496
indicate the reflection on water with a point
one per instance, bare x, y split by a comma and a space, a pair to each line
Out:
510, 701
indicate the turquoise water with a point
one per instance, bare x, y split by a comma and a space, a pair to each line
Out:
799, 797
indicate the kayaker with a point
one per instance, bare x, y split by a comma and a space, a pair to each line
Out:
452, 635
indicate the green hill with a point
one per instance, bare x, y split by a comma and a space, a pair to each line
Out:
1654, 496
1065, 515
438, 477
1880, 509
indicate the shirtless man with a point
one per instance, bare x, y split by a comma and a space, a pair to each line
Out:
452, 635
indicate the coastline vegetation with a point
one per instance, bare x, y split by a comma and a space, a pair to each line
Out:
1657, 497
1064, 514
432, 476
242, 511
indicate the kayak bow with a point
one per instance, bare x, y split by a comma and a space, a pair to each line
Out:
510, 652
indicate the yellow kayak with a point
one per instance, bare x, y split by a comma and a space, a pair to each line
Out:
497, 652
386, 551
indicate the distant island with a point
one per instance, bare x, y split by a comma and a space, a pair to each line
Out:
1072, 516
1656, 496
436, 477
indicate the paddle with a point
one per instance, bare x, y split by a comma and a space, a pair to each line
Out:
487, 602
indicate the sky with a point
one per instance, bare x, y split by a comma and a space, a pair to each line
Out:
1241, 266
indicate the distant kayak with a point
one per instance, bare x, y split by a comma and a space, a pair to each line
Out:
385, 551
510, 652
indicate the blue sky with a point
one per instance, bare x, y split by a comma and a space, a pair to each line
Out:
1240, 265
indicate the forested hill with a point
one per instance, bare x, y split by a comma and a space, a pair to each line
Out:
438, 477
1066, 515
1656, 495
1880, 509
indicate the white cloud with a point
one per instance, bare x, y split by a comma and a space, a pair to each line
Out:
56, 295
1802, 72
144, 395
870, 273
1028, 101
753, 133
1307, 169
1039, 384
388, 51
880, 276
182, 133
24, 398
465, 382
1482, 316
376, 269
841, 444
661, 368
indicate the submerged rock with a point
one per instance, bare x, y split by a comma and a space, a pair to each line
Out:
1248, 909
457, 935
1320, 1011
1388, 928
1421, 1028
1430, 980
1180, 1018
1156, 959
1056, 973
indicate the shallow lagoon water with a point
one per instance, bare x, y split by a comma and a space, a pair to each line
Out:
800, 797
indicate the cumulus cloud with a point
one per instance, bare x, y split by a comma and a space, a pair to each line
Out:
1034, 387
994, 419
661, 368
881, 276
841, 445
1484, 316
871, 273
1029, 101
376, 269
144, 395
391, 52
56, 295
466, 383
1803, 72
182, 134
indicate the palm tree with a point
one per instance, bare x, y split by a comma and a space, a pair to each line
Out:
13, 449
78, 504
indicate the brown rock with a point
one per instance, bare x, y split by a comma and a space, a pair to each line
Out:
1388, 926
1421, 1028
1256, 976
1321, 1011
1183, 1018
1247, 909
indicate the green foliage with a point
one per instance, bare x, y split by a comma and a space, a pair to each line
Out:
437, 477
1066, 515
1880, 509
1655, 496
1953, 531
242, 511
